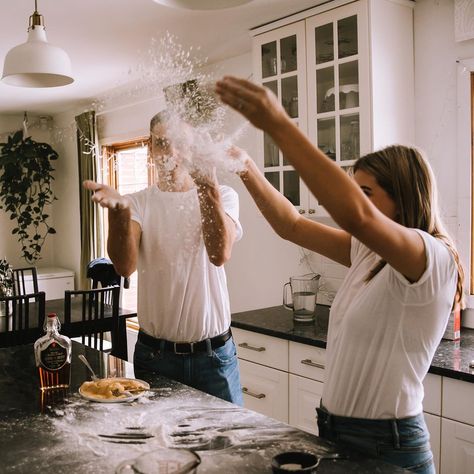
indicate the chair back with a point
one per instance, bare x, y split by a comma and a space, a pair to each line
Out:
99, 309
22, 286
21, 318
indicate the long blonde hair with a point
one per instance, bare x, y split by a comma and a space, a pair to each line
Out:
406, 176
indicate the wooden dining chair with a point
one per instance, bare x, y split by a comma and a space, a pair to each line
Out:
99, 309
21, 285
21, 318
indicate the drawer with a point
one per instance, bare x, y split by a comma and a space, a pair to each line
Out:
262, 349
307, 361
432, 400
265, 390
458, 400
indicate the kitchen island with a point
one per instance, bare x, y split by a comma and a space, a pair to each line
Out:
65, 433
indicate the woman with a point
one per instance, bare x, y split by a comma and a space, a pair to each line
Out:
404, 279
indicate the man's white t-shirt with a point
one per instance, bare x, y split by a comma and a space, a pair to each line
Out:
383, 334
182, 296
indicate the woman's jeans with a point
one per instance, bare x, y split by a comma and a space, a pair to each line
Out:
215, 372
404, 441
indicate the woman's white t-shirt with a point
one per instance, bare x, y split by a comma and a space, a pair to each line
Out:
182, 296
383, 334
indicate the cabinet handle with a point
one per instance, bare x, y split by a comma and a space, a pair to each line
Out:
312, 364
252, 348
311, 211
301, 211
252, 394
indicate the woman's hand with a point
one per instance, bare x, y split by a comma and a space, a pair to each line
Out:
241, 159
256, 103
106, 196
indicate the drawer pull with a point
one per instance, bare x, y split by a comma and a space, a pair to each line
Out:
312, 364
252, 348
252, 394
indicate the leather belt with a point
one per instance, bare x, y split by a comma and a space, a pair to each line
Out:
184, 348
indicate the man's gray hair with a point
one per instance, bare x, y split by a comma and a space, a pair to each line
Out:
160, 118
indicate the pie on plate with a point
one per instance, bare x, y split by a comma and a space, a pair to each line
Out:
113, 390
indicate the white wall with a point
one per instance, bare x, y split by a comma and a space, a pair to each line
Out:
436, 119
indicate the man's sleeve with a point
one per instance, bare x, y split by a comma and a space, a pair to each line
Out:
230, 202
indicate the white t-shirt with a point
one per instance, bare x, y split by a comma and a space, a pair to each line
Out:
383, 334
182, 296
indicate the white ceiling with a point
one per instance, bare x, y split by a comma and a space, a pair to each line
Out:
106, 38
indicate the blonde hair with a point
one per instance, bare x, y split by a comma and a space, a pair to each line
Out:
405, 174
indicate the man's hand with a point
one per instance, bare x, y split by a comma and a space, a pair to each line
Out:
106, 196
205, 178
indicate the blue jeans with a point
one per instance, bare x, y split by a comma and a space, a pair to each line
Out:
215, 372
404, 441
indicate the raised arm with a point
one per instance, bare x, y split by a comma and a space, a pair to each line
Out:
124, 234
285, 220
401, 247
218, 228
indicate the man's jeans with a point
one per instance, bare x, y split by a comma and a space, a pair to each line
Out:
215, 372
404, 442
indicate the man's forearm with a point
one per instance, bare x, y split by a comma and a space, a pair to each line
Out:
217, 228
121, 243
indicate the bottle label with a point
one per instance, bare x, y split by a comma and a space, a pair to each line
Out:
53, 357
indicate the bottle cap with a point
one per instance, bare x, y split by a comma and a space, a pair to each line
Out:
51, 315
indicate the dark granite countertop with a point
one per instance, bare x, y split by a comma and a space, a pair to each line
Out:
451, 359
65, 433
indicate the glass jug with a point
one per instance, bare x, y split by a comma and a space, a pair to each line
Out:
304, 290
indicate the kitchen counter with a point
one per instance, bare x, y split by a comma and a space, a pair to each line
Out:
65, 433
451, 359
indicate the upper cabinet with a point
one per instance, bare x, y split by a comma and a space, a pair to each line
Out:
344, 74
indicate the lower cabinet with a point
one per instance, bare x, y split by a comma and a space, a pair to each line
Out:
305, 395
291, 389
457, 452
433, 424
265, 390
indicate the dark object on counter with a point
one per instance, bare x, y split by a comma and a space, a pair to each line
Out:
295, 461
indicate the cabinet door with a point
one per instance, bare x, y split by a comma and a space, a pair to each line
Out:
458, 399
432, 399
457, 447
279, 60
305, 396
265, 390
338, 84
433, 424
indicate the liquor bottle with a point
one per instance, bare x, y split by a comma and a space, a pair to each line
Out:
53, 356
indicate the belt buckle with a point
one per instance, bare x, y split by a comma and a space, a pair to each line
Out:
191, 344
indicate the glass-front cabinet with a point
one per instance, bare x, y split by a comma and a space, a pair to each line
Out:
281, 59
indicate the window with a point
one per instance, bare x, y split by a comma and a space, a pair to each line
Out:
126, 167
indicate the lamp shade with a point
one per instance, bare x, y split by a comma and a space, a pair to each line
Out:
202, 4
37, 63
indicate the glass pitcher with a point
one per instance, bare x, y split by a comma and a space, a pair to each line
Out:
304, 290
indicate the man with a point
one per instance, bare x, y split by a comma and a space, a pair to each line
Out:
178, 233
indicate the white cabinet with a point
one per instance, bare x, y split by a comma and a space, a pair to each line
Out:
458, 400
53, 281
457, 452
433, 423
345, 75
307, 361
263, 362
265, 390
432, 399
305, 395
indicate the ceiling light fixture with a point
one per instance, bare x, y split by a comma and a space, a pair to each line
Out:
202, 4
37, 63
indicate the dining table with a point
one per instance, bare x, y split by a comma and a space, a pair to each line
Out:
171, 429
77, 326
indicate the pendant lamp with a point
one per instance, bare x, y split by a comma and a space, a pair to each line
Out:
202, 4
37, 63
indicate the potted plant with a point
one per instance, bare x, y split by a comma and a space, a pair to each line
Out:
6, 289
25, 190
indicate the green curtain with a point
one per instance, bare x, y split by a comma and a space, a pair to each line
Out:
91, 214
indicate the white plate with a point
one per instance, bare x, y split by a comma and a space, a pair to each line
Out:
146, 385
